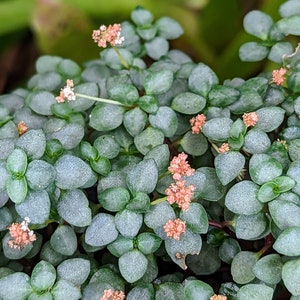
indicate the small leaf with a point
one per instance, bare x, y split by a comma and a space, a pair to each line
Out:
139, 203
16, 163
74, 270
132, 265
156, 48
148, 242
120, 246
217, 129
41, 102
188, 103
141, 16
158, 82
229, 165
64, 240
16, 189
114, 199
256, 141
96, 233
291, 276
73, 207
252, 51
202, 79
229, 249
289, 25
128, 223
294, 173
255, 292
194, 144
258, 24
169, 290
241, 267
267, 192
288, 241
135, 121
143, 177
168, 28
141, 291
222, 95
124, 93
65, 290
161, 155
43, 276
269, 118
197, 289
242, 198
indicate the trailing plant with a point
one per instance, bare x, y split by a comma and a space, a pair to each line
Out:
140, 174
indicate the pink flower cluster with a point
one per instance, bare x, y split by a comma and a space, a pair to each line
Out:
22, 128
178, 192
67, 92
110, 34
197, 123
278, 76
21, 234
224, 148
218, 297
174, 228
180, 167
250, 119
113, 295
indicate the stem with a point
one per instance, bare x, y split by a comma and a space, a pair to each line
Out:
159, 200
123, 61
99, 99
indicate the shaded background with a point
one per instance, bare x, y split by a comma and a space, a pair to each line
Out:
213, 31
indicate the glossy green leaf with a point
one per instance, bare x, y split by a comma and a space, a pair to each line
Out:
124, 93
139, 203
148, 103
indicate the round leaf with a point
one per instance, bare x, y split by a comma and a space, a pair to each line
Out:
188, 103
148, 242
255, 292
158, 82
291, 276
114, 199
16, 189
217, 129
288, 241
65, 290
128, 223
197, 289
252, 51
194, 144
269, 118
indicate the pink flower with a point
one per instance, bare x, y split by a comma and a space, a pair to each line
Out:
197, 123
180, 194
278, 76
22, 128
110, 34
113, 295
224, 148
250, 119
218, 297
180, 167
67, 93
174, 228
21, 234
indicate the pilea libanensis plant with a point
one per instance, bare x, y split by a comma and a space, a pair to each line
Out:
141, 176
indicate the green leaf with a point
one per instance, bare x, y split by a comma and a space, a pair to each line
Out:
206, 262
102, 231
40, 174
37, 296
196, 218
217, 129
135, 121
289, 8
229, 165
143, 177
16, 189
190, 243
250, 98
267, 192
158, 82
159, 214
36, 206
40, 102
141, 16
148, 242
268, 269
229, 249
256, 141
258, 24
161, 155
74, 270
124, 93
156, 48
288, 241
141, 291
139, 203
242, 198
128, 223
169, 290
251, 227
269, 118
289, 25
284, 184
101, 165
15, 286
64, 240
147, 32
255, 292
294, 149
120, 246
222, 95
252, 51
284, 214
279, 50
294, 173
5, 218
114, 199
164, 119
241, 267
148, 103
188, 103
148, 139
43, 276
89, 89
105, 116
87, 151
291, 276
73, 207
194, 144
264, 168
168, 28
16, 163
132, 265
71, 172
193, 289
202, 79
65, 290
